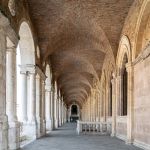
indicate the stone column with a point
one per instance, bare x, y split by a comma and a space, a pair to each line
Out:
38, 106
52, 109
90, 107
98, 106
104, 104
11, 99
31, 127
114, 112
59, 110
62, 112
23, 91
3, 116
32, 98
43, 108
55, 110
130, 104
48, 108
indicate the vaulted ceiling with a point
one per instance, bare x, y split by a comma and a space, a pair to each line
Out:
76, 35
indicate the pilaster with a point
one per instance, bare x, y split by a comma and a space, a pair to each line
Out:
130, 104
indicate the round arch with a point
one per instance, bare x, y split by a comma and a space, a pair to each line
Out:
141, 29
124, 49
26, 45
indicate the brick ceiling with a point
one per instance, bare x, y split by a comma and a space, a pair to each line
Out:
76, 35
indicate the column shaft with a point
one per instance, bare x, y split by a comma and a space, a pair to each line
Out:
32, 98
114, 114
23, 91
11, 84
38, 106
11, 99
130, 104
43, 109
3, 117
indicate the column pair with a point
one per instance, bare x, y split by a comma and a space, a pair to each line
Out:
28, 99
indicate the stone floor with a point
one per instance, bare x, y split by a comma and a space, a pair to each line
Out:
65, 138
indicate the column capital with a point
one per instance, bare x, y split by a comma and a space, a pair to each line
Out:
40, 72
114, 80
11, 49
129, 66
48, 88
31, 69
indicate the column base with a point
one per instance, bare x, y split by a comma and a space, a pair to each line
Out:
129, 142
31, 126
43, 127
3, 133
28, 133
38, 128
52, 124
14, 135
113, 134
60, 123
49, 125
56, 124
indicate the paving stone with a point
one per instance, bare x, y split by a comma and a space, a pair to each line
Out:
65, 138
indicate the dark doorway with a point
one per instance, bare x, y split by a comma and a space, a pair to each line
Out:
74, 110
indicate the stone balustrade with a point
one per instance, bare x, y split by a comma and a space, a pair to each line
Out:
102, 128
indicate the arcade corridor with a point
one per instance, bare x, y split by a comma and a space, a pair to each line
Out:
65, 138
84, 61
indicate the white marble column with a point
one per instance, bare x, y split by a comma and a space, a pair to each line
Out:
3, 116
23, 91
38, 106
48, 108
130, 104
60, 111
43, 108
55, 107
11, 99
52, 109
64, 114
32, 98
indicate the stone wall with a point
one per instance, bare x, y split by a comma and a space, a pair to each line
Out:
142, 101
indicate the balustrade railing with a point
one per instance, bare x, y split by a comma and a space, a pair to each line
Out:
103, 128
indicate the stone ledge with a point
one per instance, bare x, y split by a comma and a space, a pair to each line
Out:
141, 145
